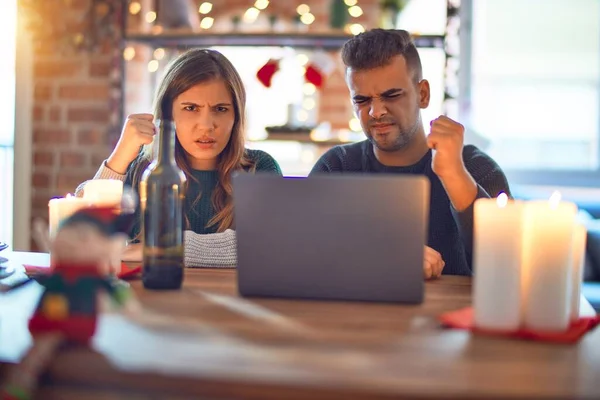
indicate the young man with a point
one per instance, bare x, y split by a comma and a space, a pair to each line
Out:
384, 75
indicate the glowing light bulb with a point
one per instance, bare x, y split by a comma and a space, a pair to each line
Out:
302, 9
129, 53
502, 200
205, 8
153, 66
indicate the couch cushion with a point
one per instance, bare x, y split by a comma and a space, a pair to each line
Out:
593, 251
591, 291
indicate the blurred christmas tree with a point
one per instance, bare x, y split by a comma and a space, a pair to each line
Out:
338, 14
396, 5
389, 10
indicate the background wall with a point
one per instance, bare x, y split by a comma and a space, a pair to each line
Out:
75, 113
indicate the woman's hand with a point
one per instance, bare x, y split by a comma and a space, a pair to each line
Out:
138, 130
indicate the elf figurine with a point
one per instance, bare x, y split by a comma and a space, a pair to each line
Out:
81, 254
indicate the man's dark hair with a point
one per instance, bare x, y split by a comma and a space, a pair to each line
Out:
376, 48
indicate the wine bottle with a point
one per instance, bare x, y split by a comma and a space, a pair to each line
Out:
162, 191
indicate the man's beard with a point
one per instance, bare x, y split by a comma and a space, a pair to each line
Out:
395, 141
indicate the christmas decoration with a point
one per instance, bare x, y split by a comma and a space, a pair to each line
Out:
266, 72
178, 14
389, 10
318, 68
338, 14
68, 308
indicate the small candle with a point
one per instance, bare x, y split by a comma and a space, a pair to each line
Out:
103, 192
579, 243
61, 208
547, 263
497, 263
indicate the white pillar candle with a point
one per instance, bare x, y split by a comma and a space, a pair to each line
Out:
497, 263
547, 263
103, 192
579, 243
61, 208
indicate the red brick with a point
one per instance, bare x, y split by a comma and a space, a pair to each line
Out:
40, 213
106, 47
40, 179
42, 92
72, 159
332, 109
98, 159
100, 68
43, 158
51, 136
43, 48
84, 91
55, 114
39, 201
336, 91
67, 180
56, 68
88, 114
77, 5
91, 137
38, 113
339, 125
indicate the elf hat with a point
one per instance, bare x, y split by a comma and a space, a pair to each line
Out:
108, 220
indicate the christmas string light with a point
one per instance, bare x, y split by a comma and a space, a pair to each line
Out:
356, 29
207, 22
251, 15
150, 17
302, 9
135, 8
153, 66
128, 53
205, 8
261, 4
307, 18
355, 11
159, 54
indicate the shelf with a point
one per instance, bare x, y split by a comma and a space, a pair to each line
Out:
329, 40
301, 138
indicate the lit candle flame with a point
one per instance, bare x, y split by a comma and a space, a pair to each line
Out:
554, 199
502, 200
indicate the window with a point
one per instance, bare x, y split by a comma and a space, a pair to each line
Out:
535, 87
8, 19
287, 102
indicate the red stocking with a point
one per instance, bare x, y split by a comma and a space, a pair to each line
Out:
319, 66
266, 72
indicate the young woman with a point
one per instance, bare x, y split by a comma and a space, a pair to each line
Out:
209, 103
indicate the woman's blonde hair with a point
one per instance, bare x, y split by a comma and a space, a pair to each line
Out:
187, 70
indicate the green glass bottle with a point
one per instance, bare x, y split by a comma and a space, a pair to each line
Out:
162, 191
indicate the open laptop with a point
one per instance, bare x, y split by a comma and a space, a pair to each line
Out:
332, 237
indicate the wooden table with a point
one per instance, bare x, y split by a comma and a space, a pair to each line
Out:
207, 342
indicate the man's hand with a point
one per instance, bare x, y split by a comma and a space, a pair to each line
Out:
446, 139
432, 264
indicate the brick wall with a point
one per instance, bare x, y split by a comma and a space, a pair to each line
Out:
75, 95
73, 117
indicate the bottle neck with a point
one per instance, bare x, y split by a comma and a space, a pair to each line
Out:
166, 142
